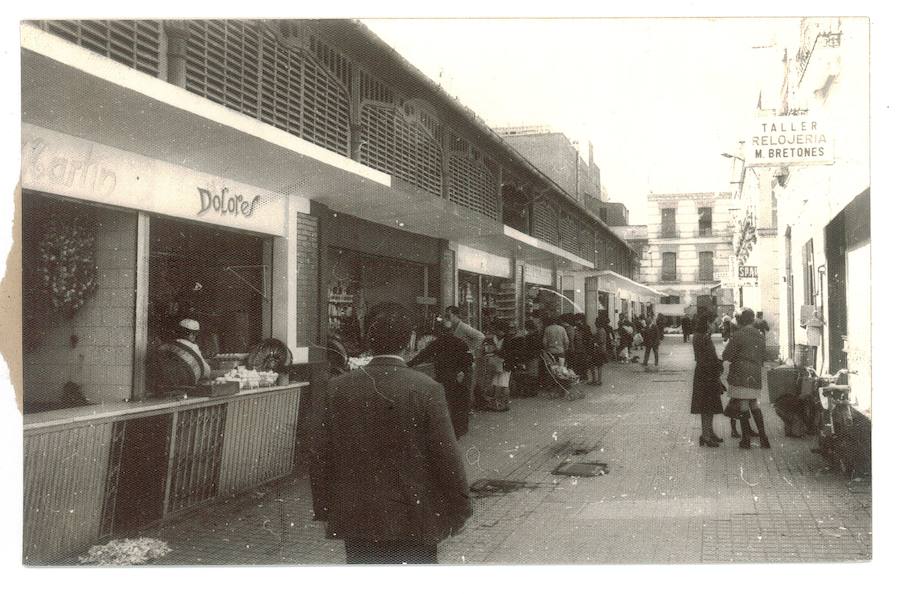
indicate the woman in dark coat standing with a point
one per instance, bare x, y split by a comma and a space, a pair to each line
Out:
706, 398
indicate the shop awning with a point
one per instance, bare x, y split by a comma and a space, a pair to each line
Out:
71, 90
512, 243
619, 281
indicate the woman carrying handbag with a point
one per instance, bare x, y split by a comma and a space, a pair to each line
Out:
706, 396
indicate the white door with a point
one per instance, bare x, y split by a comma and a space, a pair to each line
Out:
859, 326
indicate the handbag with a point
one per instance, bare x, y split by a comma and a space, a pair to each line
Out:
733, 409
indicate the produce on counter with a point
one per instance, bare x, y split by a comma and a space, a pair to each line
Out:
357, 362
249, 378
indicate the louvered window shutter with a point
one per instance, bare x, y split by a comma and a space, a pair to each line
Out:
132, 43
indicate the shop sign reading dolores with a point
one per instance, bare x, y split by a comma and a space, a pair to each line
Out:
226, 205
60, 164
789, 140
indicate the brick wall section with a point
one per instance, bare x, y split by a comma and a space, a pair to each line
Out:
307, 280
102, 360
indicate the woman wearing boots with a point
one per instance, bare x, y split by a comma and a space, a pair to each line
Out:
746, 352
706, 397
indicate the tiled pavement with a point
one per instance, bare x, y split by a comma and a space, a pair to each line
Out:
665, 500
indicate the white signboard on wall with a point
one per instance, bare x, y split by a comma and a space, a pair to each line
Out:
480, 262
536, 275
789, 140
65, 165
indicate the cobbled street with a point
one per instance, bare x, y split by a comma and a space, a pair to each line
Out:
664, 499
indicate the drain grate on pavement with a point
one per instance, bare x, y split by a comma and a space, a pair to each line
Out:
582, 469
486, 487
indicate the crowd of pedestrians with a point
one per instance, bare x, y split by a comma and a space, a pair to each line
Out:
387, 475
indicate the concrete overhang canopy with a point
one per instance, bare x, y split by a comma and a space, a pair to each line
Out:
72, 90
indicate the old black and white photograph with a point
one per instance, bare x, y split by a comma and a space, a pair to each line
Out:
492, 290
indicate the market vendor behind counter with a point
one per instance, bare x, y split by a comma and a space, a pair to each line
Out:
179, 368
178, 363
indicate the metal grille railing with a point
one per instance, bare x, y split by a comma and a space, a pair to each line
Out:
132, 43
197, 456
393, 144
112, 478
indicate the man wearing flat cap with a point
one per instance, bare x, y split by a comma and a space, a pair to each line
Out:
179, 362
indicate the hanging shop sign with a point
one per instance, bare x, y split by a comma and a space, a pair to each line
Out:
60, 164
790, 140
748, 276
747, 272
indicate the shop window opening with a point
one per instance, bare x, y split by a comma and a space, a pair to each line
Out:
217, 277
356, 281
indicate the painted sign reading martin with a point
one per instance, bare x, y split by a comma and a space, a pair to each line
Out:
790, 140
57, 163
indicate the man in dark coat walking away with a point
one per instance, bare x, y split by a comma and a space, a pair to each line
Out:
652, 334
687, 327
387, 473
452, 360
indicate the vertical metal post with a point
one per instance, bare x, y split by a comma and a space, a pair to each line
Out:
141, 307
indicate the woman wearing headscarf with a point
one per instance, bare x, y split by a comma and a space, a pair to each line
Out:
706, 396
746, 352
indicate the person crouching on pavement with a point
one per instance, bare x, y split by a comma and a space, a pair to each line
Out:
391, 481
746, 352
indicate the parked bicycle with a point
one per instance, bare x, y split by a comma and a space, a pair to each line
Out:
834, 420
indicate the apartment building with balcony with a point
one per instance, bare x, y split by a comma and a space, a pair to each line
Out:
688, 248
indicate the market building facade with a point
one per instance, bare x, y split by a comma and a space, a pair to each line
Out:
688, 251
274, 180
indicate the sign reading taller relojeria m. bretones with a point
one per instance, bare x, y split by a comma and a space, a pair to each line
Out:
789, 140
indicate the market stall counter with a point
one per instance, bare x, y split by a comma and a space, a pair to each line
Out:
98, 471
